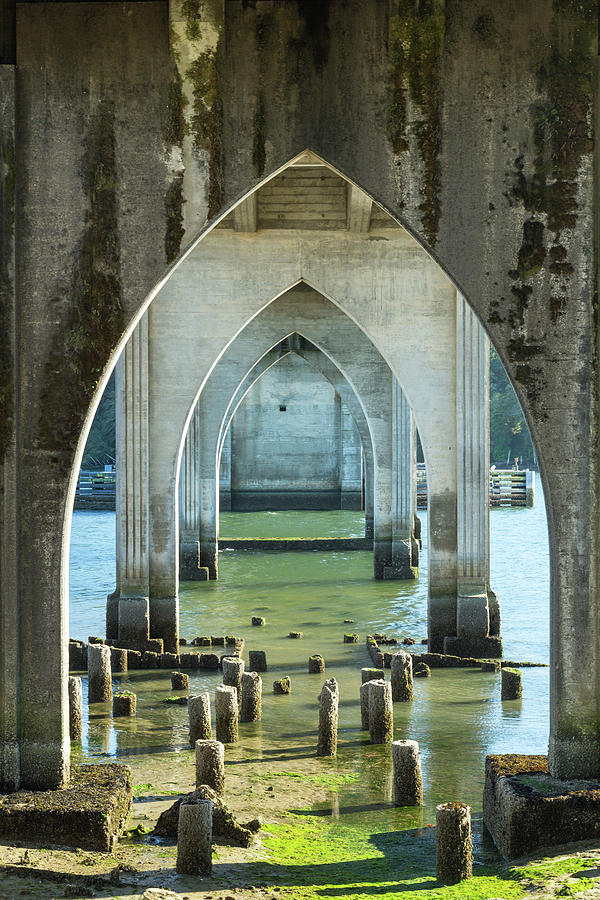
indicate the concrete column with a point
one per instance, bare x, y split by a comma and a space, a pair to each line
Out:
131, 504
472, 442
193, 45
350, 462
9, 591
189, 501
225, 472
405, 551
163, 555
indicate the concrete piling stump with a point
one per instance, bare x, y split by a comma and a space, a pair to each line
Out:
124, 703
512, 688
257, 661
282, 686
251, 705
364, 705
180, 681
408, 780
401, 676
118, 659
328, 719
421, 670
258, 620
453, 843
199, 717
233, 669
381, 712
75, 707
226, 712
351, 639
296, 634
371, 674
99, 674
316, 664
210, 765
194, 838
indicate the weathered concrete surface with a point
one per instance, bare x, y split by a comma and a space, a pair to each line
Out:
90, 160
89, 813
525, 808
471, 158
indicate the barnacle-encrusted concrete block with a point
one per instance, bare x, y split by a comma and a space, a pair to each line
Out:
525, 808
89, 813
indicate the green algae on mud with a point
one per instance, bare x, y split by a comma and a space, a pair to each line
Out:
319, 858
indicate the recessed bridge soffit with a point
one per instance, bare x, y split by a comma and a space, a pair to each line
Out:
308, 196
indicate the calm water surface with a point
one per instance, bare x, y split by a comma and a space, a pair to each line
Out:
457, 716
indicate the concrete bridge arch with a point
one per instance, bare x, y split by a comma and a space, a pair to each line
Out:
548, 347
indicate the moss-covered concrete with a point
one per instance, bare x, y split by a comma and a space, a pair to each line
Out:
89, 813
416, 43
7, 219
95, 320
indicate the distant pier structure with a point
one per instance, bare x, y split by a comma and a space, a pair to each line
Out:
508, 487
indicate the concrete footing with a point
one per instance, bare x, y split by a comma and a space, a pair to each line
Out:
525, 809
226, 714
194, 838
328, 719
199, 717
189, 563
381, 712
401, 676
481, 647
408, 780
134, 621
99, 674
453, 843
251, 705
210, 765
75, 707
90, 813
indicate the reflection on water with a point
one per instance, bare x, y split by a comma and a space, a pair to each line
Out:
457, 716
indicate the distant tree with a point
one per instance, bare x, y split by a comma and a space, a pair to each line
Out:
509, 434
100, 446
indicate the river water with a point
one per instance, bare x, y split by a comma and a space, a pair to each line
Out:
457, 715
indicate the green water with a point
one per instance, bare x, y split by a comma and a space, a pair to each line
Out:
457, 716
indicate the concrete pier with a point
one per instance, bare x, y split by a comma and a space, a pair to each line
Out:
124, 704
381, 713
199, 717
401, 677
328, 719
75, 707
408, 781
364, 704
210, 765
226, 714
512, 688
99, 674
194, 838
453, 843
233, 669
251, 704
257, 661
316, 664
